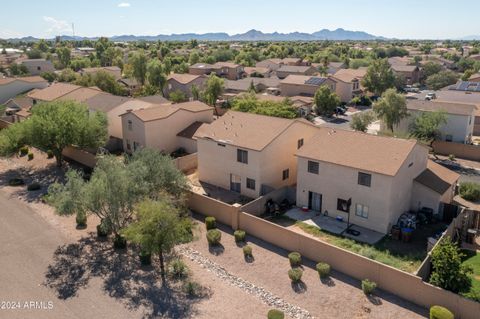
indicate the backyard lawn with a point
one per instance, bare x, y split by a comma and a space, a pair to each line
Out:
404, 256
472, 259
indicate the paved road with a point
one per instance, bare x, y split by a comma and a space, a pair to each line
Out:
27, 245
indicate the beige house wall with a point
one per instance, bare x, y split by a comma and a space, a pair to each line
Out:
14, 88
189, 144
302, 89
37, 67
134, 135
466, 151
345, 91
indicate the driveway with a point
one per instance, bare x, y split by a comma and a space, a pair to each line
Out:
28, 244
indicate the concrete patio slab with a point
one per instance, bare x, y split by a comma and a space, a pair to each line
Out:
366, 235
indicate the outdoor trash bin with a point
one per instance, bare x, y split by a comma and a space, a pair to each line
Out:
407, 234
396, 232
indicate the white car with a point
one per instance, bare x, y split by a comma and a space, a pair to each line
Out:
430, 96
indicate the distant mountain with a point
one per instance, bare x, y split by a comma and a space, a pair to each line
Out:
470, 38
252, 35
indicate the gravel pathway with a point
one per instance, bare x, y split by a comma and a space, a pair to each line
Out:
265, 296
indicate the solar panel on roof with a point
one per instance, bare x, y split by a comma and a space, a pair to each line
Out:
315, 81
463, 86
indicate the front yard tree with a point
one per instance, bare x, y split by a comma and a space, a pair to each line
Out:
157, 229
138, 61
156, 75
448, 271
213, 89
441, 80
425, 126
360, 122
325, 101
379, 77
56, 125
391, 108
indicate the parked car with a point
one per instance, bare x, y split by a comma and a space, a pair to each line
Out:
430, 96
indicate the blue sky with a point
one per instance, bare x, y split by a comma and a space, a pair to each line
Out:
432, 19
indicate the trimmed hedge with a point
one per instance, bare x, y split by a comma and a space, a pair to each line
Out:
323, 270
439, 312
239, 235
81, 219
49, 154
23, 151
295, 259
275, 314
33, 187
368, 286
210, 222
247, 251
295, 274
103, 229
30, 156
214, 236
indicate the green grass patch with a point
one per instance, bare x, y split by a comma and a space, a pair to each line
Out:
472, 259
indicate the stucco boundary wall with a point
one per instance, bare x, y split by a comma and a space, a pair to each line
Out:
465, 151
257, 206
80, 156
397, 282
186, 163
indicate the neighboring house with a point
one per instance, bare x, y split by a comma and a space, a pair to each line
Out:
11, 87
409, 73
366, 179
38, 66
131, 85
304, 85
184, 83
257, 71
466, 86
303, 104
475, 57
332, 67
474, 77
228, 70
165, 127
244, 85
113, 70
250, 154
272, 64
53, 92
349, 83
286, 70
460, 119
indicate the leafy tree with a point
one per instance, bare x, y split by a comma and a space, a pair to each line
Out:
195, 92
391, 108
467, 74
213, 89
157, 229
56, 125
67, 75
441, 80
34, 54
325, 101
194, 58
49, 76
107, 82
42, 45
80, 63
177, 96
431, 68
425, 126
18, 69
360, 122
64, 56
138, 61
448, 271
156, 75
250, 104
379, 77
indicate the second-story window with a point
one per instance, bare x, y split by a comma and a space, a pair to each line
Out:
364, 179
242, 156
285, 174
129, 125
299, 143
313, 167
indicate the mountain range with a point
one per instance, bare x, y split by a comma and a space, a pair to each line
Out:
252, 35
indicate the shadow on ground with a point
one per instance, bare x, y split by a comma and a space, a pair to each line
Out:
123, 278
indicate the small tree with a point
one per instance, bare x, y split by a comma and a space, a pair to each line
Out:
156, 75
157, 229
379, 77
448, 271
425, 126
391, 108
360, 122
441, 79
195, 92
138, 61
177, 96
213, 89
325, 101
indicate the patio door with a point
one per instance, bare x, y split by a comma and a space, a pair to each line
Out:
235, 183
315, 201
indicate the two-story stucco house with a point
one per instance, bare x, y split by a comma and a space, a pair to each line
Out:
460, 119
368, 180
228, 70
165, 127
348, 83
304, 85
250, 154
184, 83
38, 66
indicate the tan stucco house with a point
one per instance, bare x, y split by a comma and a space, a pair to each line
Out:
250, 154
165, 127
115, 71
285, 70
349, 83
38, 66
304, 85
228, 70
366, 179
184, 83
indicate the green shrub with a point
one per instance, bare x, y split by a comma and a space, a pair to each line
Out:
178, 269
103, 229
239, 235
30, 156
470, 191
23, 151
81, 219
33, 187
451, 157
49, 154
295, 274
214, 236
210, 222
295, 259
247, 251
323, 270
16, 182
275, 314
119, 242
438, 312
145, 257
192, 289
368, 286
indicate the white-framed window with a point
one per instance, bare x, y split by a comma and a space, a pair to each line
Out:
250, 183
361, 210
364, 179
313, 167
129, 123
242, 156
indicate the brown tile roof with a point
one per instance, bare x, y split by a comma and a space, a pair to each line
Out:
154, 99
366, 152
474, 77
81, 94
29, 79
437, 178
226, 65
163, 111
249, 70
449, 107
53, 92
190, 130
183, 78
246, 130
348, 75
4, 81
294, 68
23, 113
404, 68
105, 102
294, 60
